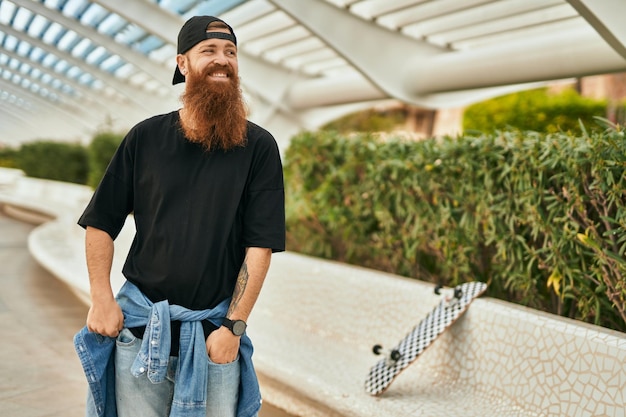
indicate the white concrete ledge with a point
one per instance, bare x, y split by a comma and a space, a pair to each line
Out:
315, 323
319, 320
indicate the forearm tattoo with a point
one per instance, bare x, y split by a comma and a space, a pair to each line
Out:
240, 286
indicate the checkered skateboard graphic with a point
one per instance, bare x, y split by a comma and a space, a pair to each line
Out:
443, 316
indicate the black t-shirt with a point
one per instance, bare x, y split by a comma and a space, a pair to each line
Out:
195, 211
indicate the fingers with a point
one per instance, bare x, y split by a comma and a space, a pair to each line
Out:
108, 328
101, 330
222, 346
106, 320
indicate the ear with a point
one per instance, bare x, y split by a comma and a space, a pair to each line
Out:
181, 61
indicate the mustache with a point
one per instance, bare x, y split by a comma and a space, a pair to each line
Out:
216, 67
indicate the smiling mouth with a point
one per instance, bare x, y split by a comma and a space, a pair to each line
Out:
219, 75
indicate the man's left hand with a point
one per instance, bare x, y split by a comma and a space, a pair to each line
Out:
222, 346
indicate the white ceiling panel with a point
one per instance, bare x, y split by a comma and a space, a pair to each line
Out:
114, 59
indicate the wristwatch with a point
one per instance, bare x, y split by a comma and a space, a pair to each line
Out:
238, 327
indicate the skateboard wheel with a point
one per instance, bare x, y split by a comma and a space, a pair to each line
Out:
438, 289
377, 349
458, 293
395, 355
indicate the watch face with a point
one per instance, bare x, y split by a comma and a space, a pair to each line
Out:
239, 327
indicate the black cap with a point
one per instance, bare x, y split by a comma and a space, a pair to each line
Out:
194, 31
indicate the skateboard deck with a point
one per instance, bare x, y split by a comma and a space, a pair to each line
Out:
396, 359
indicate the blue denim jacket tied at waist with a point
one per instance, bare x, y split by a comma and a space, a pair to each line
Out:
96, 353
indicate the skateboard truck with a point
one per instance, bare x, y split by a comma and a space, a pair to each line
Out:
452, 296
392, 356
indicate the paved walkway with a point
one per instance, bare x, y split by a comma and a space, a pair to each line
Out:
40, 375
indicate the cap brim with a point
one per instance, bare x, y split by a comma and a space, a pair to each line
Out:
178, 77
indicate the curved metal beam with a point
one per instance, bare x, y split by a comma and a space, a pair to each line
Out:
572, 54
338, 28
424, 75
607, 18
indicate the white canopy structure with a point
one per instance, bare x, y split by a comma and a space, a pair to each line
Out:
71, 67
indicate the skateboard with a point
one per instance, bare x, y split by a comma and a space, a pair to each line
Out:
454, 303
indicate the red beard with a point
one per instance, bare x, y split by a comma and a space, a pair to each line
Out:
214, 112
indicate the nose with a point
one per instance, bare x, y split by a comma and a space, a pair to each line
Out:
221, 59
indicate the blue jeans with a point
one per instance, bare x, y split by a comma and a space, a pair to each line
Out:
139, 397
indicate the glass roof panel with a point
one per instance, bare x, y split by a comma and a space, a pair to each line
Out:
371, 9
177, 6
130, 34
149, 44
246, 12
267, 24
52, 33
7, 10
111, 24
111, 64
22, 18
23, 49
49, 60
93, 15
82, 48
508, 23
72, 8
124, 70
68, 40
426, 11
36, 54
213, 7
96, 55
37, 26
164, 53
572, 25
10, 43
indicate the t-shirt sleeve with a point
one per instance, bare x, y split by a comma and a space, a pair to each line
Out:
264, 214
112, 200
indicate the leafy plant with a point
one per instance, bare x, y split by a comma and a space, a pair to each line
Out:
541, 217
100, 152
52, 160
536, 110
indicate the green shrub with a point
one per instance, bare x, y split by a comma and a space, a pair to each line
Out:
100, 151
542, 218
52, 160
370, 120
8, 158
535, 110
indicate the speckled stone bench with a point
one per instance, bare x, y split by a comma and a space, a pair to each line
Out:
316, 321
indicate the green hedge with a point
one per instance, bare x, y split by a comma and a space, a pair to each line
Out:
539, 217
100, 151
62, 161
52, 160
536, 110
8, 158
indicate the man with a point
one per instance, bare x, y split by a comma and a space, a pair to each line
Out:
205, 188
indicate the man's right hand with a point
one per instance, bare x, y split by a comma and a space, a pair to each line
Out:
105, 318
